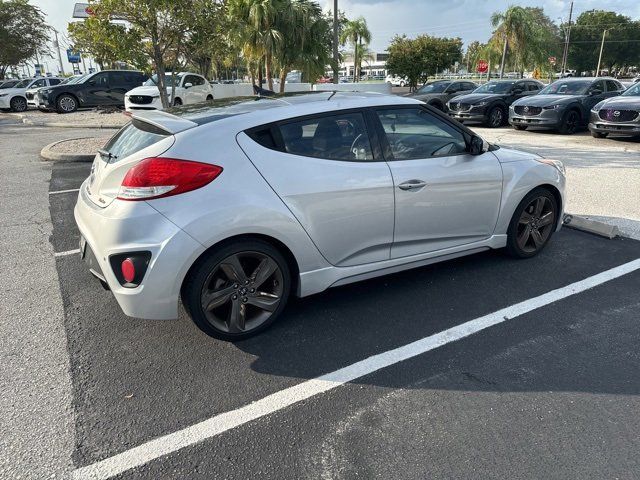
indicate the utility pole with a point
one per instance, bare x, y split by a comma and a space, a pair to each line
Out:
56, 44
604, 34
504, 56
567, 35
35, 73
335, 41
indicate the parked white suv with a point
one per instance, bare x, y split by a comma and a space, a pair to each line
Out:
396, 81
31, 92
15, 99
190, 88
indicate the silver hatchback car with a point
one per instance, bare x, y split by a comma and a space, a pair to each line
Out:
234, 205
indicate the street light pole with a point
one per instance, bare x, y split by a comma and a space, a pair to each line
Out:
335, 41
57, 45
604, 34
565, 54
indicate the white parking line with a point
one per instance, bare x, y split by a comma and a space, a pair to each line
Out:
68, 252
213, 426
65, 191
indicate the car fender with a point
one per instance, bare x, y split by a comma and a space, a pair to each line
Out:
519, 178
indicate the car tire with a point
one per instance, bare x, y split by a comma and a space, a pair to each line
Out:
18, 104
209, 98
532, 224
237, 293
496, 117
177, 102
598, 135
402, 84
570, 122
520, 127
437, 106
66, 103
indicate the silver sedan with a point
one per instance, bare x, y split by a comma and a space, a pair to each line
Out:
233, 206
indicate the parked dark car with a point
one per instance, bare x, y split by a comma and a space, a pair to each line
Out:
489, 104
105, 88
438, 93
564, 105
618, 115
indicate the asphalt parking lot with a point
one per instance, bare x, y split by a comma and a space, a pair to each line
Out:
549, 388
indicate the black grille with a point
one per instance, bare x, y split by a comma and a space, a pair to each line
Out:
460, 107
526, 111
140, 99
612, 115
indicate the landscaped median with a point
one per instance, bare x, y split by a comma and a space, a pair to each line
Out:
74, 150
83, 119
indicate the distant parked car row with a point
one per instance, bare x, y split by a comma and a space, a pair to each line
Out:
601, 103
132, 89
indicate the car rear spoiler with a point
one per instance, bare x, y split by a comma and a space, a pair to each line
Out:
164, 121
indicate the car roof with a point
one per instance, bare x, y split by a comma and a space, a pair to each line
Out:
287, 105
585, 79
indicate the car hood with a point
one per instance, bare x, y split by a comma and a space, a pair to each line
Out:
149, 90
425, 96
477, 97
623, 103
12, 91
508, 155
545, 100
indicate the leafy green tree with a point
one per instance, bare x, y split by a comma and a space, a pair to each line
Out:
23, 33
530, 35
109, 42
358, 35
586, 35
421, 57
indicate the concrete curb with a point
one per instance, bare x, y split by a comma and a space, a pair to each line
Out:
26, 121
591, 226
47, 153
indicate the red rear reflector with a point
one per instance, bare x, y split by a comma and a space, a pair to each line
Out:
162, 177
128, 270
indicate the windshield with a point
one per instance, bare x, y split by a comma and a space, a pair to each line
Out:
566, 88
168, 79
632, 91
495, 87
437, 87
23, 83
9, 84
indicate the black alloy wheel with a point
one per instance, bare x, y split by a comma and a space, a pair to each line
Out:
496, 117
177, 102
238, 291
570, 123
18, 104
66, 104
532, 224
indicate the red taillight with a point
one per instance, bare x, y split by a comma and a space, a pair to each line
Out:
128, 270
162, 177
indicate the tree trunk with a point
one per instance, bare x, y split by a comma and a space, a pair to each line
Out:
283, 78
356, 62
260, 73
268, 65
159, 61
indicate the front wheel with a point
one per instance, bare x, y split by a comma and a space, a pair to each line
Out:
18, 104
66, 104
570, 123
496, 117
238, 291
532, 224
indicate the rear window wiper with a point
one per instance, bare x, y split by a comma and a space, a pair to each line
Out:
105, 153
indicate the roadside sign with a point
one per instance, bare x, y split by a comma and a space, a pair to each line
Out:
483, 66
82, 10
73, 57
552, 60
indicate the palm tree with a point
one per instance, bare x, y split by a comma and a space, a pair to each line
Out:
357, 33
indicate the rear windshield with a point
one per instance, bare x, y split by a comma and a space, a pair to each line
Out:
131, 139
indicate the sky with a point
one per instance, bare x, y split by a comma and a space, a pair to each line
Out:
468, 19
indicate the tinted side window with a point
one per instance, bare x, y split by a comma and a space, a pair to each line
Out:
100, 79
334, 137
455, 87
117, 79
533, 87
197, 80
54, 81
415, 133
613, 86
470, 86
39, 83
263, 137
599, 85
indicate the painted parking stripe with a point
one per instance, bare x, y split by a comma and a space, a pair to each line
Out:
218, 424
68, 252
64, 191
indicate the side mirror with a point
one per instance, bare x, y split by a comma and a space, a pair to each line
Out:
477, 146
595, 91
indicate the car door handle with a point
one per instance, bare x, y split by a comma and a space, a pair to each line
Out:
412, 185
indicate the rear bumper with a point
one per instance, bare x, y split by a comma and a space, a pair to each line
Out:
124, 227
